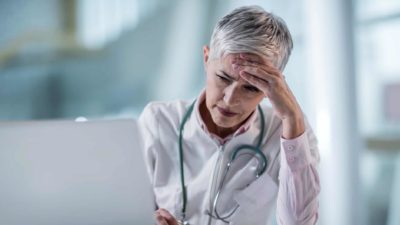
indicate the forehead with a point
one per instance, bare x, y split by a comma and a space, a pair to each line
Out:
228, 58
225, 63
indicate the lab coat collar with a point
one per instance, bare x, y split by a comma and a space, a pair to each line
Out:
221, 141
249, 134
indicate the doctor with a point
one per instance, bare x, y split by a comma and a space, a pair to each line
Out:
223, 158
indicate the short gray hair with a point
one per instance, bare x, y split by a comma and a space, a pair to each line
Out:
251, 29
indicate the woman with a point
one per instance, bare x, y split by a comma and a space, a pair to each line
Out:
190, 146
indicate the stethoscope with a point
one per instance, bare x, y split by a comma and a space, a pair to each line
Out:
262, 165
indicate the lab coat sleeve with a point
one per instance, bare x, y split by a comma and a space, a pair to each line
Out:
150, 141
299, 185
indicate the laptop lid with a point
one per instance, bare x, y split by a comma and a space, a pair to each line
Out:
73, 173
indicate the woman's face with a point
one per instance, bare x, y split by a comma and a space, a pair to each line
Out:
229, 98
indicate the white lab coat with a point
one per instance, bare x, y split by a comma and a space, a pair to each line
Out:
290, 174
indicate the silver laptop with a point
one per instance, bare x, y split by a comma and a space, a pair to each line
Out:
73, 173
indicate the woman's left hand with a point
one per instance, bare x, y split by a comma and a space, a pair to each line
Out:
260, 73
163, 217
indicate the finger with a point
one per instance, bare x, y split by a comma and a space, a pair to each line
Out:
258, 69
165, 213
256, 82
263, 60
173, 221
267, 66
252, 57
168, 216
160, 219
244, 62
259, 73
253, 80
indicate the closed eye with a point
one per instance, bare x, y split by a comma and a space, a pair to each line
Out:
224, 79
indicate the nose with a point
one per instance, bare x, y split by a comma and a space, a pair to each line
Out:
231, 95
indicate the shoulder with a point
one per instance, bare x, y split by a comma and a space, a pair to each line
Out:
164, 112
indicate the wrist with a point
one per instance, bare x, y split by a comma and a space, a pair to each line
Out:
293, 126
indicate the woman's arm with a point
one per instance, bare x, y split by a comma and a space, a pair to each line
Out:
298, 177
299, 184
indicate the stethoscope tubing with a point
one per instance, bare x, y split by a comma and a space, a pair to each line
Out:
255, 149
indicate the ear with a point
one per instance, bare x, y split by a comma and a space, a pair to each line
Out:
206, 51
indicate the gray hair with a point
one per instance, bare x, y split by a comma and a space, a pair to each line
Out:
251, 29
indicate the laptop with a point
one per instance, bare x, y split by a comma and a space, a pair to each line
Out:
73, 173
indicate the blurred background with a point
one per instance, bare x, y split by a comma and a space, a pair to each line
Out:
94, 59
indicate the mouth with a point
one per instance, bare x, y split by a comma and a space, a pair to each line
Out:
226, 112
